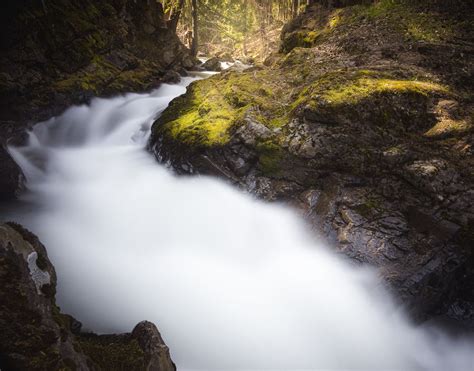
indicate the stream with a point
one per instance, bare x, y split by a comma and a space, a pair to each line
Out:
231, 282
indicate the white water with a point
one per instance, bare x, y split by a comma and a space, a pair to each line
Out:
232, 283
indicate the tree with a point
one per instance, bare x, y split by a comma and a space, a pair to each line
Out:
194, 46
175, 15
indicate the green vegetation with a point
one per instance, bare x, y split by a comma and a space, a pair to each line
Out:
205, 116
270, 157
351, 87
362, 88
410, 20
112, 352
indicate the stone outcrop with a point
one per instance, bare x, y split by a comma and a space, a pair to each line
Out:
364, 122
35, 335
57, 53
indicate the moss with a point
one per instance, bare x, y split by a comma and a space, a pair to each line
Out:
350, 87
270, 157
211, 108
113, 352
335, 19
361, 88
93, 79
407, 18
448, 128
370, 208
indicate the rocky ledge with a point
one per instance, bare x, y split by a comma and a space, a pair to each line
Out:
35, 335
57, 53
364, 122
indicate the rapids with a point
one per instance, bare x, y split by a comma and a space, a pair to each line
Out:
231, 282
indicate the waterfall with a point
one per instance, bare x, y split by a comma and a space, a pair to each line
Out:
231, 282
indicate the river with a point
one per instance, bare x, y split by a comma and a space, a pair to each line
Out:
231, 282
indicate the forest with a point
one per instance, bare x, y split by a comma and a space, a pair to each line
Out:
237, 185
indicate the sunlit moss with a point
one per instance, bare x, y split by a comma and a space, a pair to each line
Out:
212, 107
408, 19
449, 127
335, 19
350, 87
362, 88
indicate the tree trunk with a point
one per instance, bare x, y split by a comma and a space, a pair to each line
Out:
295, 8
194, 47
174, 17
245, 27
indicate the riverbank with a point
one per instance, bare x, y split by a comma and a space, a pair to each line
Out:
364, 122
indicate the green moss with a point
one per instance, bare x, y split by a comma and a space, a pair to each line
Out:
112, 352
407, 18
211, 108
369, 209
98, 74
447, 127
361, 88
350, 87
270, 157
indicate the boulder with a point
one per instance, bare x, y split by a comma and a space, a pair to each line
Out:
35, 335
212, 64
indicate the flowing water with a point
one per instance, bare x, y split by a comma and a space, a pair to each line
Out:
232, 283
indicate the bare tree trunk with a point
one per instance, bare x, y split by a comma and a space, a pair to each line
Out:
295, 8
194, 46
174, 17
245, 27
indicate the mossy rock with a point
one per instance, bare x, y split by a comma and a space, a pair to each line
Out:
212, 109
112, 352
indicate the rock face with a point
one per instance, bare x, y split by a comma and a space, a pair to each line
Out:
57, 53
364, 123
35, 335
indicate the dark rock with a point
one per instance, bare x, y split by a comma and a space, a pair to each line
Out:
157, 354
212, 64
11, 176
66, 52
35, 335
32, 336
171, 77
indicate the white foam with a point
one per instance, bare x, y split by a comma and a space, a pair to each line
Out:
232, 283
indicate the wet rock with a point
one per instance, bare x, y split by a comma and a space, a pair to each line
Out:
171, 77
35, 335
11, 176
31, 335
101, 49
212, 64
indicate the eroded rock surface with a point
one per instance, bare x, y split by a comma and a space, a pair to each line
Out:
365, 124
35, 335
